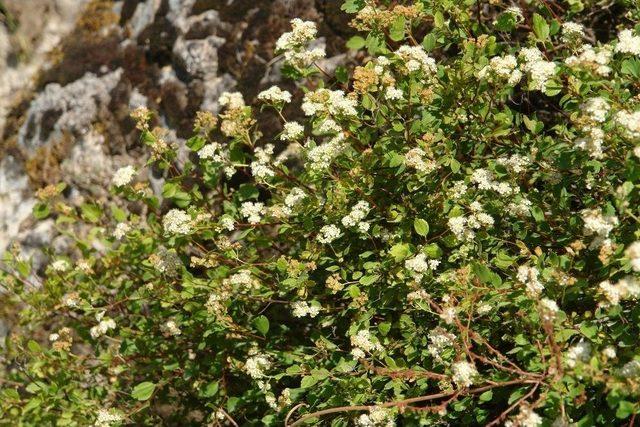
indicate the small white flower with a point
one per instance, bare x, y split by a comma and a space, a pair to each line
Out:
628, 43
231, 100
177, 221
302, 309
256, 366
123, 176
328, 234
275, 95
252, 211
172, 328
60, 265
464, 373
292, 131
122, 228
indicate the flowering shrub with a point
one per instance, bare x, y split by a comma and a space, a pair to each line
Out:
446, 234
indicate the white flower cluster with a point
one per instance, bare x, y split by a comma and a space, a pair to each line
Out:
123, 176
591, 141
252, 211
485, 181
626, 288
590, 59
122, 228
227, 223
242, 278
377, 417
292, 131
355, 217
521, 207
364, 343
580, 352
463, 226
177, 221
572, 31
332, 102
525, 418
628, 43
548, 309
171, 327
215, 153
60, 265
256, 365
105, 324
392, 93
329, 126
107, 418
419, 266
503, 67
415, 59
295, 196
275, 95
630, 369
439, 341
417, 158
516, 163
609, 352
528, 276
231, 100
540, 70
260, 168
458, 190
595, 223
630, 122
295, 44
215, 304
302, 309
464, 373
328, 234
596, 108
320, 157
516, 12
633, 254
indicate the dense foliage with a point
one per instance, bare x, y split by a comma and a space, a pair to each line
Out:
445, 236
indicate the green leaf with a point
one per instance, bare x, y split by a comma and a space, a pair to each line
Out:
368, 280
625, 408
211, 389
396, 31
118, 214
247, 191
482, 272
41, 210
589, 330
351, 6
143, 391
429, 42
421, 226
540, 27
262, 324
631, 66
399, 251
308, 381
438, 19
90, 212
486, 396
355, 43
34, 347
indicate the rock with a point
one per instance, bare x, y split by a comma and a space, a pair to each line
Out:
16, 201
71, 108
